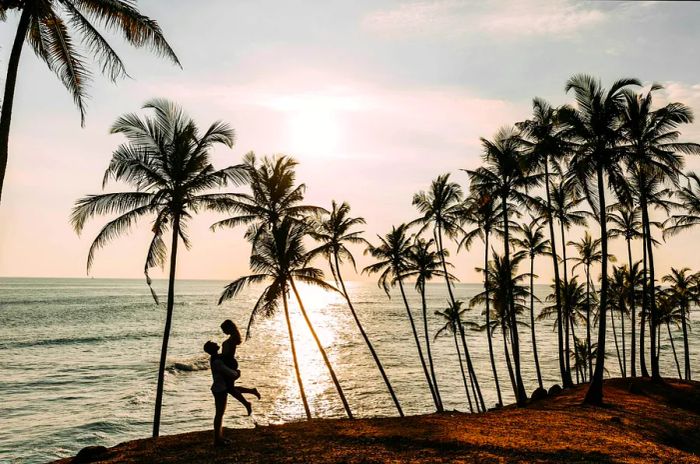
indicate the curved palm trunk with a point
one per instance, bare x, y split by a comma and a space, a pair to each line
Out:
168, 323
645, 308
588, 321
294, 356
366, 338
686, 351
488, 317
9, 95
594, 395
464, 376
617, 346
673, 347
520, 395
633, 345
655, 374
346, 406
420, 351
478, 398
532, 322
509, 365
427, 347
566, 309
565, 374
622, 336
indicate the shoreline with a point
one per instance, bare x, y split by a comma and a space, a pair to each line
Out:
641, 422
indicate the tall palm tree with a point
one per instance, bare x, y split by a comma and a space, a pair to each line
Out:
543, 138
532, 244
167, 161
392, 254
594, 126
50, 27
334, 232
653, 150
684, 293
480, 211
589, 253
279, 257
506, 178
626, 222
425, 263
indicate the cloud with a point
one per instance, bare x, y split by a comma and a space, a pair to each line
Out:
511, 19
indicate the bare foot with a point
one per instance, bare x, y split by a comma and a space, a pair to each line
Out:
248, 408
256, 393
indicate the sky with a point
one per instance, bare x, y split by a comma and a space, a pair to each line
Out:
373, 98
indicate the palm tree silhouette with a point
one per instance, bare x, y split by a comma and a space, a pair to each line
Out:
542, 135
594, 127
334, 231
279, 257
668, 313
167, 161
684, 293
393, 263
619, 301
532, 244
626, 222
505, 174
50, 31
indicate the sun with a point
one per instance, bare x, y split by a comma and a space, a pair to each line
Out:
314, 131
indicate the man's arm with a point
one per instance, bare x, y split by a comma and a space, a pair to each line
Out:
232, 374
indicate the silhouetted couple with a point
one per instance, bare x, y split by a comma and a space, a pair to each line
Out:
225, 372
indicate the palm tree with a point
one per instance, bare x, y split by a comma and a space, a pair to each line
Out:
653, 150
506, 178
452, 316
668, 314
481, 211
619, 301
334, 231
279, 257
167, 161
594, 126
588, 253
626, 222
424, 264
50, 27
393, 262
684, 293
532, 244
544, 141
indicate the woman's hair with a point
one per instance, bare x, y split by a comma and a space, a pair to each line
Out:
211, 347
229, 328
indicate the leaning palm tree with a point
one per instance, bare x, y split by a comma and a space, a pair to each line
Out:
653, 150
532, 244
594, 126
625, 222
684, 292
545, 144
507, 178
334, 232
279, 257
393, 262
50, 27
167, 160
425, 263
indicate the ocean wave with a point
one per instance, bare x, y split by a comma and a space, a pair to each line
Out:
189, 365
72, 340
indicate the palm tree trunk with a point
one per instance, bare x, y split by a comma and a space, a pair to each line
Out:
168, 323
565, 374
673, 347
294, 356
9, 95
617, 346
594, 395
472, 372
461, 367
532, 322
622, 336
488, 317
633, 346
652, 292
520, 395
323, 352
504, 329
573, 337
427, 346
588, 321
565, 308
365, 337
420, 351
645, 308
686, 351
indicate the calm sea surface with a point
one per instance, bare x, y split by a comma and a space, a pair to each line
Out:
79, 360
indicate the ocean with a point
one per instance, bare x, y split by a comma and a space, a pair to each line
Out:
79, 359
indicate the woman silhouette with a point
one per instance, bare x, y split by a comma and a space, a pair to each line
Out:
228, 356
